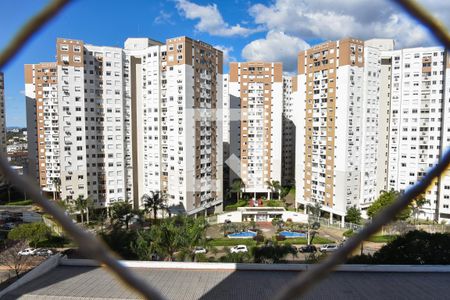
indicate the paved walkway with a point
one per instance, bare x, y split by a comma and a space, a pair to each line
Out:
96, 283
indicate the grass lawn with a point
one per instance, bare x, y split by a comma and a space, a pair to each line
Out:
18, 202
381, 238
302, 241
231, 242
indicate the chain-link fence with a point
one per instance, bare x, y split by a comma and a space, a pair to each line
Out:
95, 249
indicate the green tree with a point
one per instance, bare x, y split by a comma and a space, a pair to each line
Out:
154, 202
413, 248
33, 233
121, 241
177, 234
236, 187
82, 205
384, 200
121, 213
353, 215
275, 187
56, 181
272, 253
278, 222
417, 205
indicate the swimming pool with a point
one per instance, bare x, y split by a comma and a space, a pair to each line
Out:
242, 235
290, 234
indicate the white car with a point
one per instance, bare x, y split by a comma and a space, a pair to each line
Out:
329, 248
27, 252
239, 249
43, 252
200, 250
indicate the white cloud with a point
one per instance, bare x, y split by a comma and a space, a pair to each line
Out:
226, 53
331, 19
164, 17
211, 20
276, 46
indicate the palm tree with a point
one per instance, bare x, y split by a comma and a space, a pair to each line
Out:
83, 204
57, 185
154, 202
236, 187
275, 187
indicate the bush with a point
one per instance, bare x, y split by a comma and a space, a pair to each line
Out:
415, 248
55, 242
259, 238
273, 253
348, 233
18, 203
240, 203
274, 203
382, 238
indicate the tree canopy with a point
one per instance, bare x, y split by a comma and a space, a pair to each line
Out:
384, 200
178, 234
31, 232
353, 215
413, 248
121, 213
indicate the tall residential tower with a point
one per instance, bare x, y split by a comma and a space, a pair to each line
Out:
256, 88
117, 124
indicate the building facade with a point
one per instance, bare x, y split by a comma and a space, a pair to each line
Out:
2, 123
117, 124
175, 90
337, 119
256, 90
419, 124
288, 131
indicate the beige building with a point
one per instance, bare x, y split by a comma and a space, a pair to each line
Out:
256, 89
115, 124
337, 124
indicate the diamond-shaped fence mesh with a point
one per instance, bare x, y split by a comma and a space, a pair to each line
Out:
96, 249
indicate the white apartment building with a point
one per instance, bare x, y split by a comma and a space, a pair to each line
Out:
176, 94
419, 124
336, 124
79, 121
41, 90
256, 88
288, 131
128, 122
2, 122
226, 117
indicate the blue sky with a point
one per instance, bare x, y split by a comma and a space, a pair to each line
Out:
245, 30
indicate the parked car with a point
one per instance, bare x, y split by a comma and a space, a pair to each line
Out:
43, 252
200, 250
239, 249
308, 249
9, 226
329, 248
27, 252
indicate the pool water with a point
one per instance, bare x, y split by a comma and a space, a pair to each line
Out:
290, 234
242, 235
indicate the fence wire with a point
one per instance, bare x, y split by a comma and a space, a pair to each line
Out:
94, 248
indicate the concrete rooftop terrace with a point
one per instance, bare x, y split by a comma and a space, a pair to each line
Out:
76, 281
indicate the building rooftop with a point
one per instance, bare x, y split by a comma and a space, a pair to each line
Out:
90, 282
